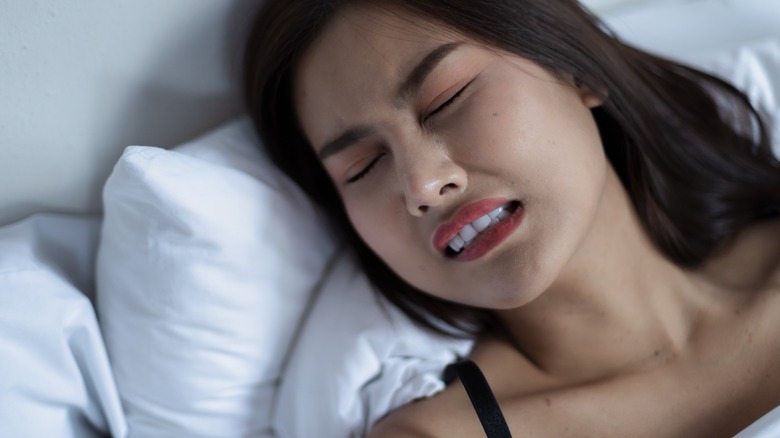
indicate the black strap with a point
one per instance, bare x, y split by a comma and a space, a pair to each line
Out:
481, 397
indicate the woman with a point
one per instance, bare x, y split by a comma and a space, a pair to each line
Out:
603, 220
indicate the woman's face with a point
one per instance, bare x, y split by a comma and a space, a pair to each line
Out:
474, 174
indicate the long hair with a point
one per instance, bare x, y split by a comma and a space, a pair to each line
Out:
690, 149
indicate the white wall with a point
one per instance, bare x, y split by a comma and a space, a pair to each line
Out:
82, 79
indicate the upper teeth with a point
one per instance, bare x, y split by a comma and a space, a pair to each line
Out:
470, 231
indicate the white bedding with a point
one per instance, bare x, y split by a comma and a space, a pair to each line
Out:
227, 309
55, 378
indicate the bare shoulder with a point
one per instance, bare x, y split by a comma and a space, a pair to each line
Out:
644, 403
766, 258
450, 413
772, 234
774, 237
441, 415
395, 426
749, 261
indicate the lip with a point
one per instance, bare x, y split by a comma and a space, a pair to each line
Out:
486, 240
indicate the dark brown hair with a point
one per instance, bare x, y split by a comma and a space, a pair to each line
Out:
690, 149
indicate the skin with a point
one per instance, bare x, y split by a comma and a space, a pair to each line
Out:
602, 332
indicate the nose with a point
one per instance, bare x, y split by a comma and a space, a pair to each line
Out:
430, 178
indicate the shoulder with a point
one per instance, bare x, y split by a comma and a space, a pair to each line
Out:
442, 415
396, 426
450, 413
749, 261
774, 238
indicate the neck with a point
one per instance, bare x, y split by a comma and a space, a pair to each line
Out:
618, 304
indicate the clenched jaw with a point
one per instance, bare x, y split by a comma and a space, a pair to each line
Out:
477, 228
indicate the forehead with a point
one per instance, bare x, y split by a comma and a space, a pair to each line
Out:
387, 36
358, 28
360, 57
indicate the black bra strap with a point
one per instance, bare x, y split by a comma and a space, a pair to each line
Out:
481, 397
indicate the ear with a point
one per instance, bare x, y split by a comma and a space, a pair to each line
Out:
590, 98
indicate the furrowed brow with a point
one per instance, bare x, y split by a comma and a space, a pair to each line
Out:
411, 85
343, 141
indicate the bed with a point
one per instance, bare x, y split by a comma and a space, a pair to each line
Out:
158, 277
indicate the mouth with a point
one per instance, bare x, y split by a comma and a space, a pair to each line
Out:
474, 234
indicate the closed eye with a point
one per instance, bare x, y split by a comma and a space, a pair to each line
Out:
449, 102
366, 169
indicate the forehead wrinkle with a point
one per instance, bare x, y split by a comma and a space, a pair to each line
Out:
373, 28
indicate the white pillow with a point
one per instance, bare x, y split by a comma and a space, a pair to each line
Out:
738, 40
206, 264
358, 358
55, 378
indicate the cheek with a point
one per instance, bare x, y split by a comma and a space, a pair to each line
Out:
391, 236
380, 226
366, 223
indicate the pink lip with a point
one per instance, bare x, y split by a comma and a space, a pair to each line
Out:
463, 217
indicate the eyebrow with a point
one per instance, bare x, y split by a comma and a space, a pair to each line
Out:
410, 86
346, 139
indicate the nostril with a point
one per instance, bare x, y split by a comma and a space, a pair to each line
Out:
447, 187
423, 208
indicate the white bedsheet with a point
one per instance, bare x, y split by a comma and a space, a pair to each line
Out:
55, 378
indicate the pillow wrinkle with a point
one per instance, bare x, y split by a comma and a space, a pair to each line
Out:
206, 266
